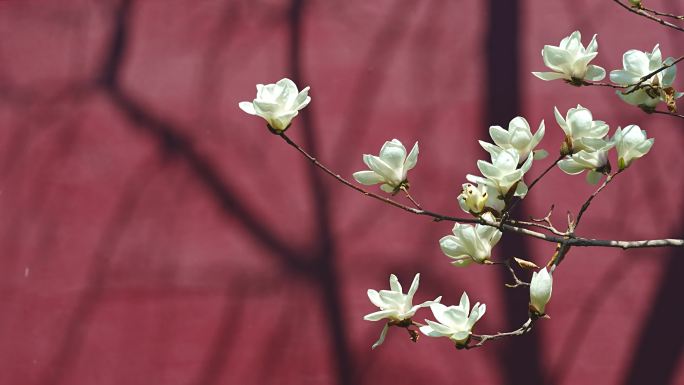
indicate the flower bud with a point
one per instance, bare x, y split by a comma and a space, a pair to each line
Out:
540, 291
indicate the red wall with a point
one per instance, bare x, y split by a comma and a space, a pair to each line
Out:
153, 233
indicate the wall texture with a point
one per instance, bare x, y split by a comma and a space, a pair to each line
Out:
152, 233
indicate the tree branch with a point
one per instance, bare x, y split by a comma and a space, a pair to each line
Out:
647, 15
504, 226
651, 74
483, 338
586, 204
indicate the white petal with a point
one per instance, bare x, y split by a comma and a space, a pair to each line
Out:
379, 166
393, 154
303, 99
464, 303
368, 177
452, 247
636, 62
375, 298
413, 288
412, 158
556, 58
595, 73
380, 340
593, 45
499, 136
623, 77
669, 76
378, 315
593, 177
493, 150
248, 107
437, 329
394, 284
550, 75
560, 120
463, 261
570, 166
488, 170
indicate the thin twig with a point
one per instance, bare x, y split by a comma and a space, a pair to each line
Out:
586, 204
536, 180
653, 11
601, 84
648, 16
534, 223
626, 244
666, 113
638, 85
482, 338
409, 197
517, 281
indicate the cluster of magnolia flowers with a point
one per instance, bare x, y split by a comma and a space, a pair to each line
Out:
585, 147
570, 61
453, 322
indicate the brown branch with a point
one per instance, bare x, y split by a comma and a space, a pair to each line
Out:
647, 15
586, 204
666, 113
483, 338
601, 84
388, 201
517, 281
670, 242
536, 180
409, 197
534, 223
504, 226
665, 14
644, 78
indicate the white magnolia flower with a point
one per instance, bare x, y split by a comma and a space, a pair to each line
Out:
470, 243
474, 199
594, 159
503, 172
638, 64
579, 125
540, 290
631, 143
394, 304
277, 103
570, 60
454, 322
518, 137
389, 168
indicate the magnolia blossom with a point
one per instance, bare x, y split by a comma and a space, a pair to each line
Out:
570, 60
594, 159
277, 103
540, 290
579, 126
474, 199
470, 243
518, 137
638, 64
631, 143
394, 304
454, 322
503, 172
390, 167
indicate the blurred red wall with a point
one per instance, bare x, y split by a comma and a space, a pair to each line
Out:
153, 233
